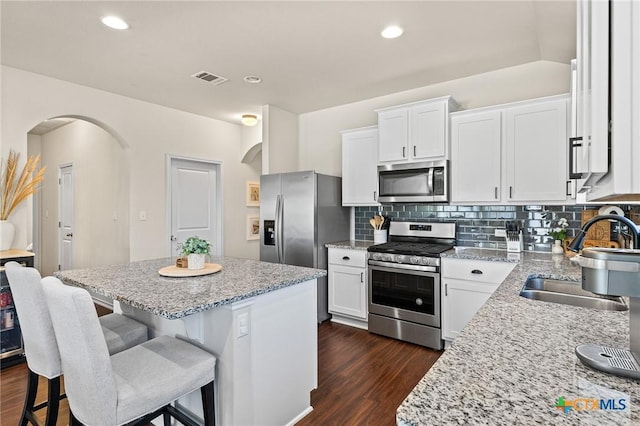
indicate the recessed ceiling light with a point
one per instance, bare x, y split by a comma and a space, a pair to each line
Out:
252, 79
249, 119
392, 31
115, 23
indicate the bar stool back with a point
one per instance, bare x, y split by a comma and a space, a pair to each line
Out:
41, 348
132, 386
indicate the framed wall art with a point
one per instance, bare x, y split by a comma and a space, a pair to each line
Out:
253, 227
253, 194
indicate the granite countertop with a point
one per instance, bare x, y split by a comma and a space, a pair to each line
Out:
138, 284
516, 358
352, 245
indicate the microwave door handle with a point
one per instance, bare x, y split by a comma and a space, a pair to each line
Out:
430, 181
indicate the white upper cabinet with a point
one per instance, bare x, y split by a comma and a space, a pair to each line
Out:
608, 101
476, 154
415, 132
536, 151
511, 153
359, 167
393, 128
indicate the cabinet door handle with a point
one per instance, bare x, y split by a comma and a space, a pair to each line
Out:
346, 258
414, 151
574, 144
477, 271
375, 195
568, 188
511, 192
446, 289
404, 150
495, 192
361, 277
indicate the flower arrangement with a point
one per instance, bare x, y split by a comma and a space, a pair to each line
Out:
15, 187
560, 230
195, 245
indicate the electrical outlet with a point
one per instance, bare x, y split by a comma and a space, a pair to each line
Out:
501, 233
243, 325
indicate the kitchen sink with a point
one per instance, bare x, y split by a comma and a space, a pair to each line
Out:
569, 293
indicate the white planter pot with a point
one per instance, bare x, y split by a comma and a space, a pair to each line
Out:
557, 247
195, 261
7, 232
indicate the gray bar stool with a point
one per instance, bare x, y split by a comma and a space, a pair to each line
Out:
41, 349
132, 386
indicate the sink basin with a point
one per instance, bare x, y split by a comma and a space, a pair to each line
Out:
569, 293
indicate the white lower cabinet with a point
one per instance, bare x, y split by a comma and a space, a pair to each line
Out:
466, 286
348, 286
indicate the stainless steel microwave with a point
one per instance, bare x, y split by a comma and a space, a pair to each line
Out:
424, 182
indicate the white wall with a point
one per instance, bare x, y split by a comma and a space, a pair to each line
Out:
320, 143
279, 140
100, 195
147, 132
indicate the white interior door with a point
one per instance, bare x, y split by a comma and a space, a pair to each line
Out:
65, 222
195, 202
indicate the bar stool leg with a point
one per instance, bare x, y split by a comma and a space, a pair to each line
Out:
30, 400
73, 421
208, 404
54, 401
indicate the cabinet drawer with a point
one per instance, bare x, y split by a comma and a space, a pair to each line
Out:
476, 270
348, 257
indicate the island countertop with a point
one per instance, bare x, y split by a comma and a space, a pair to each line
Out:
138, 284
515, 359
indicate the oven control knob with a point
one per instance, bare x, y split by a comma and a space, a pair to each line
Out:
419, 301
376, 256
414, 260
400, 258
426, 261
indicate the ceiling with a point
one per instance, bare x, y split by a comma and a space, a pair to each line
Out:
310, 54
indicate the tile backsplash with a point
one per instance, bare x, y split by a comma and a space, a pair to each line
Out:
476, 225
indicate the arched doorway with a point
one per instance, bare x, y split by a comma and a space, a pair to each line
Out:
99, 189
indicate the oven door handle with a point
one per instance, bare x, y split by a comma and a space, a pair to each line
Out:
404, 266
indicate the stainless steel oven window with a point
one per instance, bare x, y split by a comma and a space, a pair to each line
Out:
405, 294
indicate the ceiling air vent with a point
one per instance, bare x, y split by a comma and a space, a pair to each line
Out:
211, 78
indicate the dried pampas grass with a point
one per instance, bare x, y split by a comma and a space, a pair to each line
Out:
14, 187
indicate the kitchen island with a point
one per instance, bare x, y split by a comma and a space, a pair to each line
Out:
258, 318
515, 360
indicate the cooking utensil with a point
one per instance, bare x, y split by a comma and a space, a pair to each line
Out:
376, 222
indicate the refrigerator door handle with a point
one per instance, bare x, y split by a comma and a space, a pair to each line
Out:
277, 229
280, 229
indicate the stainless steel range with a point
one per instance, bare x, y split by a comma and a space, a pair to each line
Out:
404, 282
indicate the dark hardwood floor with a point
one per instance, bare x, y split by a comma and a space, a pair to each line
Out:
362, 379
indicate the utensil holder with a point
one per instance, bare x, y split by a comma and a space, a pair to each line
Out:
379, 236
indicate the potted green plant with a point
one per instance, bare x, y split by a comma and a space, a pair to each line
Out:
559, 233
15, 187
195, 249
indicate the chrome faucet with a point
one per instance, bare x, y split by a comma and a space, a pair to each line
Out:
576, 244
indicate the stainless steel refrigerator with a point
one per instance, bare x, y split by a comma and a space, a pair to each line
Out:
299, 213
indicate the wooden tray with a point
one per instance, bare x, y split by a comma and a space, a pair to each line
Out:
175, 272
